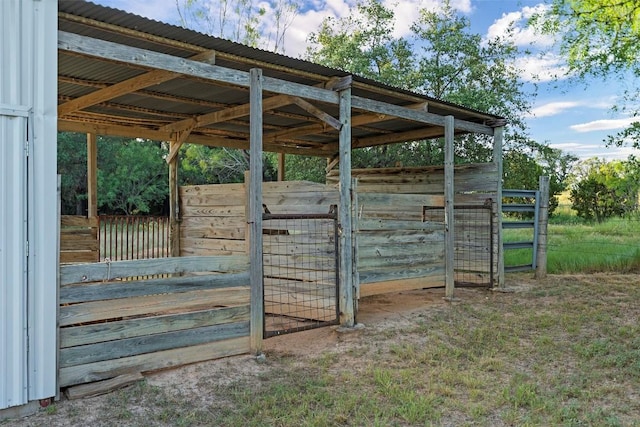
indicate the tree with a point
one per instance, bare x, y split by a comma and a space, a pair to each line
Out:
256, 24
600, 38
132, 175
603, 190
72, 167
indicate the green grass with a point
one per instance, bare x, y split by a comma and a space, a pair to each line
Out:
561, 352
576, 246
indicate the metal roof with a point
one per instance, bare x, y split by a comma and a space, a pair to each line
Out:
149, 111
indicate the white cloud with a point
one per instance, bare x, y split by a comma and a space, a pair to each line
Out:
544, 68
553, 108
513, 26
587, 151
607, 124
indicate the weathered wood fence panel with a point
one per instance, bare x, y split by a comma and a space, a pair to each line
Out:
78, 239
213, 220
400, 222
109, 327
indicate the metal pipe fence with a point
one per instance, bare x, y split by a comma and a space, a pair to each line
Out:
133, 237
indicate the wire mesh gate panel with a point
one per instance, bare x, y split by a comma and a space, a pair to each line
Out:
300, 255
474, 245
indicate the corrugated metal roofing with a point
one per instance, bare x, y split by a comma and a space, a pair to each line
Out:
167, 102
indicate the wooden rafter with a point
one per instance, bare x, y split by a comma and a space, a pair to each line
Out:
144, 80
175, 147
225, 115
317, 112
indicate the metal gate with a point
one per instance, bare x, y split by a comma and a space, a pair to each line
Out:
527, 207
474, 245
300, 257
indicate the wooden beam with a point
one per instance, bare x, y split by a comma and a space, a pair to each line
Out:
144, 80
332, 162
181, 137
92, 175
317, 112
412, 135
449, 244
88, 46
347, 309
543, 222
255, 212
498, 161
224, 115
174, 206
281, 166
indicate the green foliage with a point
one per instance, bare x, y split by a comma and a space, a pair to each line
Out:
72, 167
132, 175
256, 24
600, 38
606, 189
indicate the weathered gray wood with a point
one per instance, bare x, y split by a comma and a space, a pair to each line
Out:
152, 361
154, 304
401, 273
102, 387
398, 250
355, 217
131, 55
371, 238
255, 211
320, 263
498, 161
449, 220
416, 260
145, 267
543, 221
115, 290
399, 200
92, 175
347, 314
129, 328
382, 224
90, 353
399, 285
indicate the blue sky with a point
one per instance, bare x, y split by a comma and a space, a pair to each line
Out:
573, 117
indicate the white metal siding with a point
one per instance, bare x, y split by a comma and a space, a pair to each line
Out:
28, 82
13, 261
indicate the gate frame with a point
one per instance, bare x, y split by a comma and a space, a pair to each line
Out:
332, 215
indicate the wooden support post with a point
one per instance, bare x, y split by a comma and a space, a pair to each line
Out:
92, 175
255, 211
498, 135
281, 166
543, 221
174, 207
355, 227
449, 241
347, 312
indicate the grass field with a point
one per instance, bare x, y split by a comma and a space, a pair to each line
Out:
576, 246
561, 352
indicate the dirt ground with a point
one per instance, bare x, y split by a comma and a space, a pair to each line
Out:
377, 313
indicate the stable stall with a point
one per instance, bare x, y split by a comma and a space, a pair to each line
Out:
246, 256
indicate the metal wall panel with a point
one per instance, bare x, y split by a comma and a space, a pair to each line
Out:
28, 91
13, 261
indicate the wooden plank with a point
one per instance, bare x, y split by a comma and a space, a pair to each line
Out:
324, 248
371, 238
234, 247
255, 210
76, 243
382, 224
114, 290
146, 267
136, 306
301, 262
152, 361
399, 200
320, 287
299, 311
129, 328
408, 261
295, 187
102, 387
78, 257
207, 211
317, 112
213, 200
390, 286
398, 250
92, 175
404, 273
78, 221
497, 160
318, 199
203, 190
84, 354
